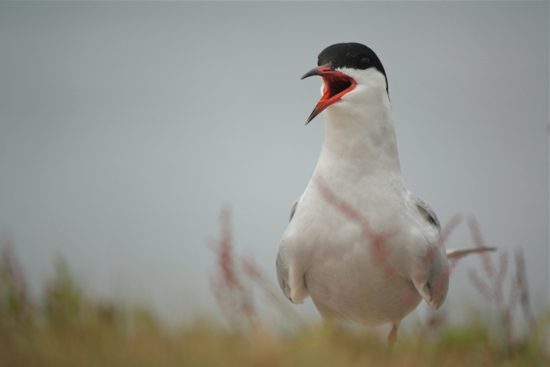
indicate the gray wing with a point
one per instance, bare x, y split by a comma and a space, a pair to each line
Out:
282, 267
428, 213
281, 264
425, 210
430, 274
291, 280
293, 210
282, 274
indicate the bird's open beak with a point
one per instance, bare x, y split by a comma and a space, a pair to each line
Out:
336, 84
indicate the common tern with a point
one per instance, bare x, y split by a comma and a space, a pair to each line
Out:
359, 242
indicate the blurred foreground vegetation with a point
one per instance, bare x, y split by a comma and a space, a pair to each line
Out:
67, 328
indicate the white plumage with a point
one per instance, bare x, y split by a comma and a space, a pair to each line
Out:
375, 258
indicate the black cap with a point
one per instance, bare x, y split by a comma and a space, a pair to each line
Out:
350, 55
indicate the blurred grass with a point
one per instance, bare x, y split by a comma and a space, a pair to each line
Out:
67, 328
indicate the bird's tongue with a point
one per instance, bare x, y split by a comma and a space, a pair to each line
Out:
336, 84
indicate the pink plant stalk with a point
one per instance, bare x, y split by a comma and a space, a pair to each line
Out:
492, 284
234, 298
523, 287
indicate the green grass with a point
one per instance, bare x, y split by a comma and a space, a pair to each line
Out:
67, 328
104, 343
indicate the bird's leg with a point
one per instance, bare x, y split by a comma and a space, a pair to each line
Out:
392, 338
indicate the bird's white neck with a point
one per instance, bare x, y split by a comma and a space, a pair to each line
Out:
360, 137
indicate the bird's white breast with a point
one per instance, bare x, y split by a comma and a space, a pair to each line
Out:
347, 275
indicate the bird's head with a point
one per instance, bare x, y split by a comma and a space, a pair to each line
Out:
349, 71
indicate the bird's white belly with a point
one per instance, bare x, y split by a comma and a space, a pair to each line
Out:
351, 284
347, 276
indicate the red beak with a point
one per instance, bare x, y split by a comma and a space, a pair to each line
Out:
336, 84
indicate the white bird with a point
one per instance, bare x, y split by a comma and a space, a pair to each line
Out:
358, 242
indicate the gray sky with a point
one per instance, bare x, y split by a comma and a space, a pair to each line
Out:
125, 127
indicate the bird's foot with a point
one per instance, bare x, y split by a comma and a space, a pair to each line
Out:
392, 337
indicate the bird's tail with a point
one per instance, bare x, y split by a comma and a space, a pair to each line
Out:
456, 254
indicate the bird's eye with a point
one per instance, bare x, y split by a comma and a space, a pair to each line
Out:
365, 61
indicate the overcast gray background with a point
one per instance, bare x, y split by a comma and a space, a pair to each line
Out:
125, 127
